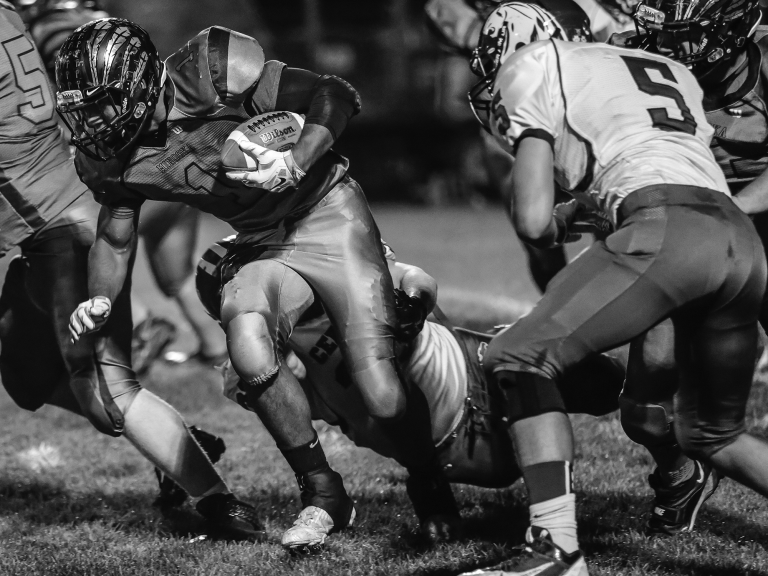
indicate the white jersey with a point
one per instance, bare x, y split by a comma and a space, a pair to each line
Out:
618, 120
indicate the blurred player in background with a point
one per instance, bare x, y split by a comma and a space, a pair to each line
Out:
157, 133
457, 25
169, 230
49, 214
444, 362
722, 44
628, 129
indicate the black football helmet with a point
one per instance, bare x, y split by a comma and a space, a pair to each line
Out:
701, 34
208, 276
50, 21
109, 77
509, 27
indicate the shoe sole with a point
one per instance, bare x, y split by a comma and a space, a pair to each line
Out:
578, 569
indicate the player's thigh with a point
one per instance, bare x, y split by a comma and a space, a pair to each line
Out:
31, 366
272, 290
170, 237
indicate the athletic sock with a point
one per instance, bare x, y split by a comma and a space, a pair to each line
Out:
305, 458
220, 488
552, 502
680, 475
558, 517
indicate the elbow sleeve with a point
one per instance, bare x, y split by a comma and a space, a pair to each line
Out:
334, 103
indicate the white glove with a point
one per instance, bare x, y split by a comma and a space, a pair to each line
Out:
89, 316
275, 171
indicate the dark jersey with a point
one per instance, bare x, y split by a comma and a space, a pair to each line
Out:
740, 143
213, 84
37, 177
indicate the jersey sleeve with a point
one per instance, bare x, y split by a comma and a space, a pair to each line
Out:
523, 103
217, 67
104, 180
264, 96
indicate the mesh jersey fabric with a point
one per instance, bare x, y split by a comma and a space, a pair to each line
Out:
37, 178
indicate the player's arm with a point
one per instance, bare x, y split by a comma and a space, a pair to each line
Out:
753, 198
416, 284
328, 103
109, 263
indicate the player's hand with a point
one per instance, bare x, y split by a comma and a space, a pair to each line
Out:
89, 316
564, 214
457, 22
591, 221
274, 172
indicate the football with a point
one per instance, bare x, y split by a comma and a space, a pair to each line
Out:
274, 130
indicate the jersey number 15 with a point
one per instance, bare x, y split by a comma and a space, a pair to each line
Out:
660, 118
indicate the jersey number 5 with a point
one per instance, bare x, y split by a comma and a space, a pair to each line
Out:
30, 79
639, 68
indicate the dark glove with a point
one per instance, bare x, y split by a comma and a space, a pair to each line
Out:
411, 315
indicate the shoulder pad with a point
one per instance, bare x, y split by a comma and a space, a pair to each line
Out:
218, 66
7, 5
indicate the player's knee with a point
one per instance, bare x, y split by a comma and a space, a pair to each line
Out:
252, 348
382, 392
646, 424
527, 395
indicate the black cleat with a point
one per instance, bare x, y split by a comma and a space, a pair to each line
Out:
171, 494
326, 508
150, 338
540, 556
676, 507
231, 519
434, 504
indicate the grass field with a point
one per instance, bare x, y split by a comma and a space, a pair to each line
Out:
75, 502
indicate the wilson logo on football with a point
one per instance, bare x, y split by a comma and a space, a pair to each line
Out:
269, 136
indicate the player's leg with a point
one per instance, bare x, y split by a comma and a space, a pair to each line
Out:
169, 231
612, 293
104, 384
259, 308
338, 250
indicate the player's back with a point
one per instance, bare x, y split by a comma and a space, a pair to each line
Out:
620, 119
37, 177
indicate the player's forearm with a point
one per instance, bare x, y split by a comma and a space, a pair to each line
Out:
753, 199
314, 142
108, 268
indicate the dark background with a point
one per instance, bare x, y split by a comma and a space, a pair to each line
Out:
415, 139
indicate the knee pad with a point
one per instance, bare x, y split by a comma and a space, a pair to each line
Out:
527, 395
252, 349
646, 424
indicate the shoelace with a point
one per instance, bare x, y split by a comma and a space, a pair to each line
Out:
307, 517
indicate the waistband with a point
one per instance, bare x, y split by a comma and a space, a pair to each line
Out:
670, 195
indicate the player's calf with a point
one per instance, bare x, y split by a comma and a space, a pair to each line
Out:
434, 504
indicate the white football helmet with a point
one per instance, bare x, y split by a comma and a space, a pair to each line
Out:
508, 28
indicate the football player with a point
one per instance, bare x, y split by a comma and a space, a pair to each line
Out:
722, 44
626, 129
169, 230
47, 212
457, 24
147, 129
444, 362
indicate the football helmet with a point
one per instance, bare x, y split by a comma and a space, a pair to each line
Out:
108, 74
50, 21
697, 33
208, 276
511, 26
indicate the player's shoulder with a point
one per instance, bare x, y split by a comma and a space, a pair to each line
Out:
218, 66
104, 179
10, 21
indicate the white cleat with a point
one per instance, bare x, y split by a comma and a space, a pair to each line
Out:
310, 530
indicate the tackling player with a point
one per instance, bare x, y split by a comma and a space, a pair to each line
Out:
726, 50
48, 213
169, 230
145, 129
627, 130
444, 362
